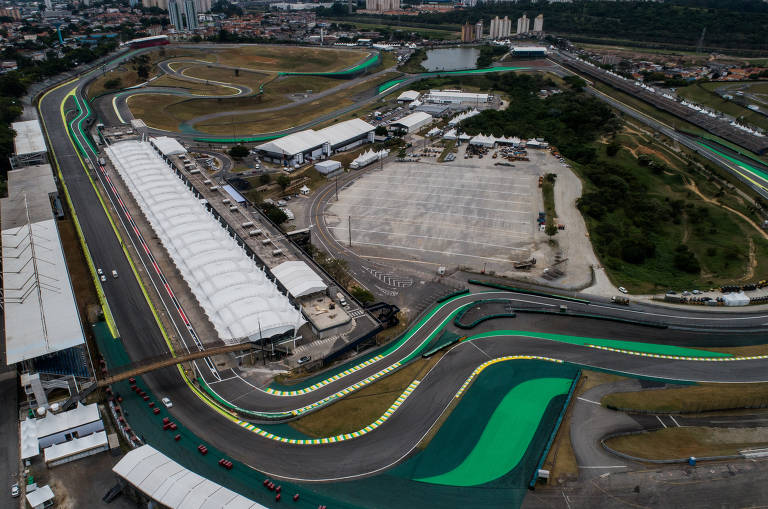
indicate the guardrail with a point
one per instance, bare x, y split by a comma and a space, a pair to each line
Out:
528, 292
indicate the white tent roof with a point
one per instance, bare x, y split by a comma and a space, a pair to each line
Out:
74, 446
172, 485
299, 278
40, 496
62, 421
408, 95
339, 133
736, 299
29, 137
41, 315
293, 144
413, 119
29, 444
168, 146
236, 295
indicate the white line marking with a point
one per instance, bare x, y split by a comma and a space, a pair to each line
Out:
566, 500
676, 423
481, 350
683, 317
606, 466
662, 422
428, 237
588, 400
451, 253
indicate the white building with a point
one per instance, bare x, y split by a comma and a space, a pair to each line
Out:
29, 144
382, 5
413, 122
538, 24
500, 28
456, 97
479, 30
236, 295
408, 96
523, 25
299, 147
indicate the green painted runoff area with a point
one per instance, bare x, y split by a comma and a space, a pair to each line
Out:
650, 348
506, 435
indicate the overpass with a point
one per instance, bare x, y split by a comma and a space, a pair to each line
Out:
163, 361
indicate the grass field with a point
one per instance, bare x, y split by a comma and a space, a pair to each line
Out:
193, 87
692, 398
678, 443
247, 79
705, 94
289, 58
363, 407
728, 248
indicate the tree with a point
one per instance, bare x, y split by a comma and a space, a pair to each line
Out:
613, 148
551, 230
274, 213
380, 131
143, 71
361, 294
113, 84
283, 181
575, 83
265, 178
238, 151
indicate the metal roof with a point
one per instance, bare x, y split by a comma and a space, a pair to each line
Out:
75, 446
41, 315
304, 141
339, 133
234, 292
40, 496
299, 278
29, 138
168, 146
413, 119
169, 483
408, 95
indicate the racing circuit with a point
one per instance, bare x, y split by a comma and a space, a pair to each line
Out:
536, 349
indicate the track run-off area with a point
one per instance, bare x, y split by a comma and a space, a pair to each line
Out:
498, 390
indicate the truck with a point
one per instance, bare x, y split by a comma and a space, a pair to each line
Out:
341, 299
620, 299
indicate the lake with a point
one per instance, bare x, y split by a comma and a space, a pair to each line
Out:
450, 59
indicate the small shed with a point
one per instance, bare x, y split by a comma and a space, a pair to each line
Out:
40, 498
328, 167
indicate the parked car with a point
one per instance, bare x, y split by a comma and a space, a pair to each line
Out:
623, 290
15, 491
304, 360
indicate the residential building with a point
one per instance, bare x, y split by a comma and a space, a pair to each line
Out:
382, 5
523, 25
190, 14
467, 32
500, 28
538, 24
174, 14
479, 30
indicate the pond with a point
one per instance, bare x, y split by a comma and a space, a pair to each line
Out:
451, 59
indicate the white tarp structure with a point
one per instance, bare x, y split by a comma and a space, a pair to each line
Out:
462, 116
367, 158
234, 292
76, 448
483, 140
29, 138
343, 132
40, 311
315, 144
735, 299
170, 484
455, 97
168, 146
328, 166
299, 278
37, 499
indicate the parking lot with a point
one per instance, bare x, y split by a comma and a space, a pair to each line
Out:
468, 212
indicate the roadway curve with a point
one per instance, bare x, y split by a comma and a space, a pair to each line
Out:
142, 338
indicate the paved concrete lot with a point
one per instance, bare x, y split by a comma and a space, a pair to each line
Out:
468, 212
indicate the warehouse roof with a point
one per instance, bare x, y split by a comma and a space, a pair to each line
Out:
168, 146
29, 138
413, 119
236, 295
337, 134
293, 144
165, 481
298, 278
40, 496
304, 141
75, 446
41, 315
408, 95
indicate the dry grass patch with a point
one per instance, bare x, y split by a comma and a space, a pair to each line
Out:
676, 443
363, 407
154, 110
290, 58
692, 399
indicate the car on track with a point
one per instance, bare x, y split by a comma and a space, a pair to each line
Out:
167, 402
623, 290
304, 360
99, 272
103, 278
15, 491
114, 274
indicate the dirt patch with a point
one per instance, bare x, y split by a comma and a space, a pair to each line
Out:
80, 275
674, 443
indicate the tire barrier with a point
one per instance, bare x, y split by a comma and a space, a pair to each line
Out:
528, 292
